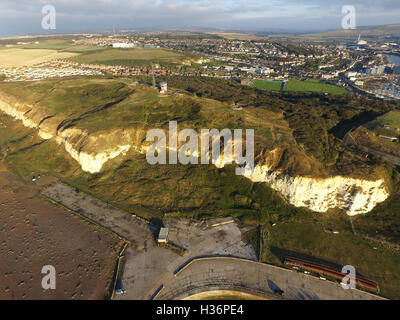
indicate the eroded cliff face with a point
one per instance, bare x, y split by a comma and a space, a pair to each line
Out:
355, 196
92, 151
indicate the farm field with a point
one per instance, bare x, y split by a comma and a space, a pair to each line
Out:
18, 57
54, 44
298, 86
46, 50
128, 57
59, 44
62, 45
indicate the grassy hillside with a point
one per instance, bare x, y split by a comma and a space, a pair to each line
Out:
302, 127
305, 127
317, 120
105, 104
134, 185
388, 124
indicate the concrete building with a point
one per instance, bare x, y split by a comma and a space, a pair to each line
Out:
163, 236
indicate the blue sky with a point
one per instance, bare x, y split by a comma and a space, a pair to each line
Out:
24, 16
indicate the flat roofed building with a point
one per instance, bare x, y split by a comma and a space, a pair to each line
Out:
163, 235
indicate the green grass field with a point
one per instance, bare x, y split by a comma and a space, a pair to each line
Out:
298, 86
128, 57
313, 86
267, 85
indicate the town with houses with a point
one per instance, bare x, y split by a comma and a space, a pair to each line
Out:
363, 67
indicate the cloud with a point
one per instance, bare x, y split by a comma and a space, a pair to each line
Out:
24, 16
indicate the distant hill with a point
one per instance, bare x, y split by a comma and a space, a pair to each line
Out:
391, 30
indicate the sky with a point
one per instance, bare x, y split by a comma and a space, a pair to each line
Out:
19, 17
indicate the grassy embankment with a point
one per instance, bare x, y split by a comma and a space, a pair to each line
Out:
130, 182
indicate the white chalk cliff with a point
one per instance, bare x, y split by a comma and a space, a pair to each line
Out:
355, 196
78, 143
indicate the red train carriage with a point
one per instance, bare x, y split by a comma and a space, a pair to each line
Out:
329, 272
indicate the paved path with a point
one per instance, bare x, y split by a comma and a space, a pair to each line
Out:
254, 278
127, 226
147, 269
